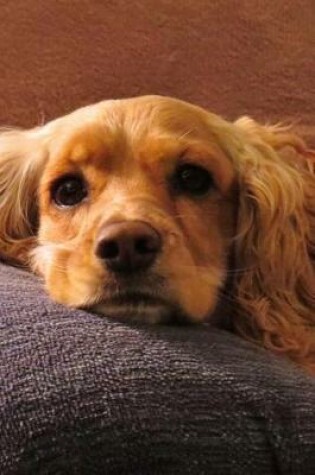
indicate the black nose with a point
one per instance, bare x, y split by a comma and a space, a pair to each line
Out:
128, 246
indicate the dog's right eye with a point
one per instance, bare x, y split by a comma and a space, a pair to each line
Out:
192, 180
69, 191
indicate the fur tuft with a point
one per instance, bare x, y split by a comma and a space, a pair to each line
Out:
277, 243
22, 156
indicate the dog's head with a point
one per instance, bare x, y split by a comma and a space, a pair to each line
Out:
149, 206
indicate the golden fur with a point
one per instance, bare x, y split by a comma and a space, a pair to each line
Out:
249, 240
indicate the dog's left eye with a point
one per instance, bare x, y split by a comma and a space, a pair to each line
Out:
192, 180
69, 191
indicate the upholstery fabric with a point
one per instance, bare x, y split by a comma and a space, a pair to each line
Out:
81, 394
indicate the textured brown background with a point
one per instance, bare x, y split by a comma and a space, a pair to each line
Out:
234, 57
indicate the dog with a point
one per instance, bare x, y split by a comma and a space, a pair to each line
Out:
153, 208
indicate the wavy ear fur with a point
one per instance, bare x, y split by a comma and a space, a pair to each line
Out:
22, 157
275, 245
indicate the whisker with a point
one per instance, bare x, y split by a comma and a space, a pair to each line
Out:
239, 270
208, 267
189, 131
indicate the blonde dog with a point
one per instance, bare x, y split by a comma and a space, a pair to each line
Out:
153, 208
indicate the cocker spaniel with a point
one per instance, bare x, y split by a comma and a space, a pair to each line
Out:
153, 208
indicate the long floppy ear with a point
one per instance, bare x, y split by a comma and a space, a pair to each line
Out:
275, 245
22, 157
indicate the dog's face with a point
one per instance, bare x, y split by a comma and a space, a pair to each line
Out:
152, 208
137, 211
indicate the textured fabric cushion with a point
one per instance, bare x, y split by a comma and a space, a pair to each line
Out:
81, 394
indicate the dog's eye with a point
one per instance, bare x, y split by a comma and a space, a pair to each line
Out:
192, 179
69, 191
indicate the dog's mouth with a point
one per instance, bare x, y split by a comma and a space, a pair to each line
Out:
139, 306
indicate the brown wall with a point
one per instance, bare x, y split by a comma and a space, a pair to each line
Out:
234, 57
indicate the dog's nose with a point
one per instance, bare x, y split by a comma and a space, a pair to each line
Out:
128, 246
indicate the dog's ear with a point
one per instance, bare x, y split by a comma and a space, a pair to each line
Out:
275, 245
22, 158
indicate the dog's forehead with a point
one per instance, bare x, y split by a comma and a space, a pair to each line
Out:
143, 115
153, 114
112, 127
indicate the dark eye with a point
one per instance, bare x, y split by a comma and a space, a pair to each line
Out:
192, 180
69, 191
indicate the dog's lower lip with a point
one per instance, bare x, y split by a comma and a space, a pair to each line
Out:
136, 307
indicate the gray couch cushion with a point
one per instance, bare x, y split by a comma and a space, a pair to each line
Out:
81, 394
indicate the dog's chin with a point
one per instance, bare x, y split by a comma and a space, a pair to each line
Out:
141, 309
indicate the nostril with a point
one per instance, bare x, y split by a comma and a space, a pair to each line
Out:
108, 250
144, 245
